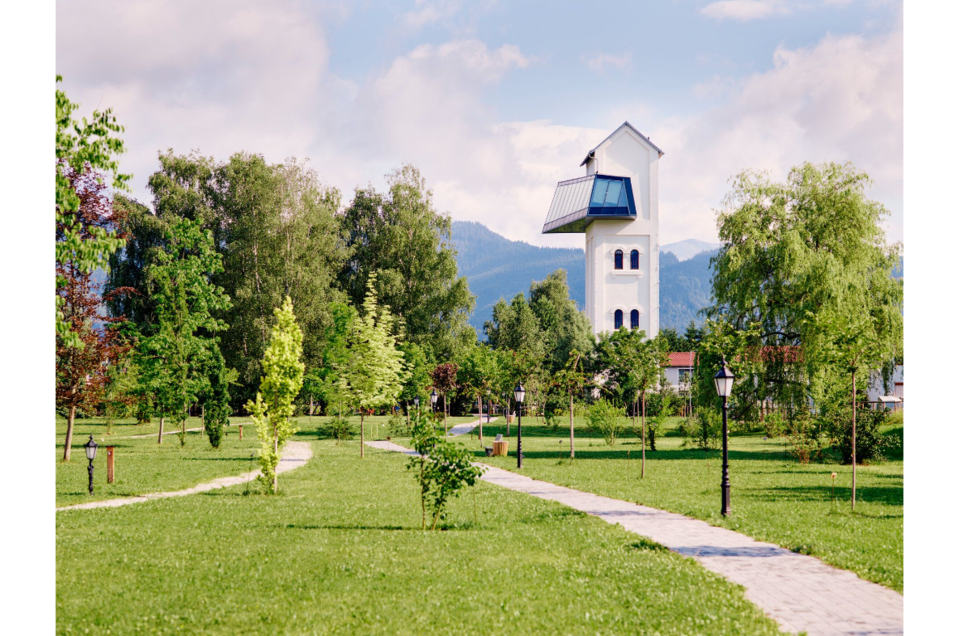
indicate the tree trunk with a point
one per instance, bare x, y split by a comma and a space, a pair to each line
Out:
853, 440
508, 405
276, 452
446, 413
480, 399
362, 444
422, 494
407, 403
572, 451
68, 443
642, 464
311, 407
160, 435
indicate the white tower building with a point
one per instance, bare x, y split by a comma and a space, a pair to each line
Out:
617, 206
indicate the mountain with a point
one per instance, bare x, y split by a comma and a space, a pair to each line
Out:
685, 250
497, 267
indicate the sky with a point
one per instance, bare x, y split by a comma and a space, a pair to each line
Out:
494, 101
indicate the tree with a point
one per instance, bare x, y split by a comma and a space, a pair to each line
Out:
281, 383
444, 381
572, 380
374, 372
399, 236
635, 364
175, 350
605, 417
82, 147
443, 469
216, 398
477, 374
418, 375
791, 250
565, 328
87, 343
858, 335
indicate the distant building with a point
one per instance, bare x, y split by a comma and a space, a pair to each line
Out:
679, 373
616, 205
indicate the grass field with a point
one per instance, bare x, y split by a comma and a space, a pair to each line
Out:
143, 466
340, 551
774, 497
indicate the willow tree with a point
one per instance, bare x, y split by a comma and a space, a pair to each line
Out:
790, 253
374, 372
281, 383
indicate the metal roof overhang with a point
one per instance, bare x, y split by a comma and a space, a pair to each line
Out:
579, 202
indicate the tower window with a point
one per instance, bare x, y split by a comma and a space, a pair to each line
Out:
634, 259
634, 319
618, 259
618, 317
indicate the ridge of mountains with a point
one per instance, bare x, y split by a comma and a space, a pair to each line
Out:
497, 267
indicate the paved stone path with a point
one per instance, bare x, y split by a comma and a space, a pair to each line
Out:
466, 427
799, 592
173, 432
294, 455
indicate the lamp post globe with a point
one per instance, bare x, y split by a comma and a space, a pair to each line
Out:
519, 394
433, 398
416, 403
724, 387
91, 449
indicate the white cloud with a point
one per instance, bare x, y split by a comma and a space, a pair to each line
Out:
245, 76
744, 10
605, 60
431, 11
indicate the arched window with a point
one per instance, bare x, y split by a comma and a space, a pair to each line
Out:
634, 259
634, 319
618, 316
618, 259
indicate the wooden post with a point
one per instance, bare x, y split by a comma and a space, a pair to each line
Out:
109, 464
241, 430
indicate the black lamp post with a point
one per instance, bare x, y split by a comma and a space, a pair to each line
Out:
519, 394
433, 398
416, 403
91, 448
724, 386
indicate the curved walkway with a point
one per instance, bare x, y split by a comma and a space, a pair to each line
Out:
466, 427
294, 455
799, 592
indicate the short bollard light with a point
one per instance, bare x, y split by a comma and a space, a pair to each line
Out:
833, 476
91, 449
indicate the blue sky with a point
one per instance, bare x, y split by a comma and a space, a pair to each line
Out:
497, 101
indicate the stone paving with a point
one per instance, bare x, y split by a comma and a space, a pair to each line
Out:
294, 455
463, 429
800, 592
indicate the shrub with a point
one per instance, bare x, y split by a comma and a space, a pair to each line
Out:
336, 428
869, 441
654, 427
804, 438
702, 430
607, 419
442, 468
397, 425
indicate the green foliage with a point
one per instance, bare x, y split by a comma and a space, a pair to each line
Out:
564, 327
399, 237
606, 419
374, 372
702, 430
281, 383
442, 468
338, 428
418, 372
870, 442
82, 145
176, 349
216, 401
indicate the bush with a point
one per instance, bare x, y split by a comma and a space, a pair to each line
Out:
397, 425
654, 428
702, 430
869, 441
336, 428
804, 438
606, 419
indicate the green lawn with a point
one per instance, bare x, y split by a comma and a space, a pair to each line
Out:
143, 466
340, 551
774, 498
